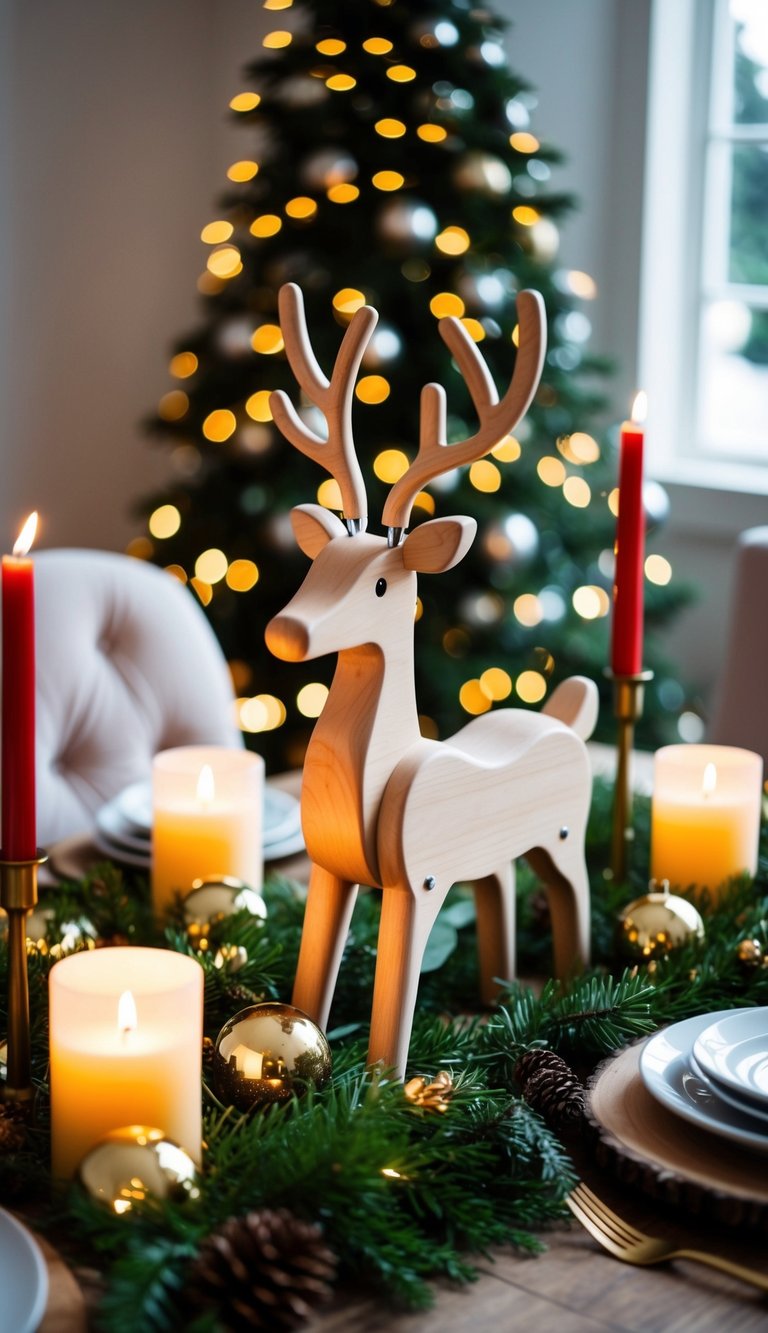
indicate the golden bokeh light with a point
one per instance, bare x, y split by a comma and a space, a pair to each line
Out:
343, 194
551, 470
507, 450
581, 284
330, 46
523, 142
453, 241
301, 207
658, 570
388, 180
528, 610
613, 501
203, 590
173, 405
526, 215
329, 494
183, 364
267, 339
340, 83
401, 73
390, 465
430, 133
244, 102
140, 548
243, 171
473, 698
311, 698
208, 285
214, 233
177, 573
268, 224
277, 40
591, 602
242, 575
377, 46
257, 406
531, 686
389, 128
278, 4
211, 565
579, 448
447, 303
348, 300
496, 683
418, 610
164, 521
425, 501
372, 389
218, 426
577, 492
474, 329
485, 476
224, 263
262, 712
241, 673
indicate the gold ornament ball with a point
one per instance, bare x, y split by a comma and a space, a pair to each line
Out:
211, 900
657, 923
135, 1163
269, 1053
749, 954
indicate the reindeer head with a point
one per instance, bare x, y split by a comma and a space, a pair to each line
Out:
358, 583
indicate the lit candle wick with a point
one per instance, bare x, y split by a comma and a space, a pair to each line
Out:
709, 781
206, 787
127, 1018
26, 536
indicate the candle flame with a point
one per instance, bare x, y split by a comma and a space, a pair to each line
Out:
640, 407
709, 781
26, 536
127, 1018
206, 787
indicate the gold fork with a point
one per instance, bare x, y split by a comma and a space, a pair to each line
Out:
634, 1247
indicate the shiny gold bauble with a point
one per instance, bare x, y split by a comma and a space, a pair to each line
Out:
269, 1053
749, 954
657, 923
211, 900
135, 1163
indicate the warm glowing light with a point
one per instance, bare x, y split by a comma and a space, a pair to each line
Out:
640, 407
267, 339
340, 83
257, 406
343, 194
453, 241
528, 610
418, 610
211, 565
390, 465
577, 492
330, 46
515, 336
473, 698
244, 102
268, 224
507, 450
275, 41
262, 712
348, 300
474, 329
579, 448
613, 501
242, 575
389, 128
377, 46
173, 406
523, 142
485, 476
203, 590
581, 284
329, 494
388, 180
525, 215
496, 683
551, 470
219, 425
216, 232
447, 303
243, 171
177, 572
591, 602
658, 570
208, 285
372, 389
301, 207
127, 1018
140, 548
278, 4
709, 781
224, 263
401, 73
311, 698
531, 686
183, 364
27, 535
164, 521
424, 501
432, 133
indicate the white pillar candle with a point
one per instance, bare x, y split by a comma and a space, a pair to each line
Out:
126, 1031
207, 815
705, 814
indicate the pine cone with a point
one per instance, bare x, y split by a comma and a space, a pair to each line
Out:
265, 1270
550, 1087
434, 1095
13, 1127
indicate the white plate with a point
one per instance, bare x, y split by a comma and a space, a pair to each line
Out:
127, 856
23, 1277
127, 818
734, 1051
748, 1108
666, 1073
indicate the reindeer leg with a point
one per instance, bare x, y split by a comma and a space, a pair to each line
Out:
495, 906
330, 902
403, 935
564, 873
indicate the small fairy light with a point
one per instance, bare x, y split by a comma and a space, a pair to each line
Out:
389, 128
447, 303
225, 262
390, 465
474, 329
425, 501
183, 364
388, 180
581, 284
203, 590
214, 233
267, 339
267, 224
177, 572
348, 300
261, 712
430, 133
244, 102
579, 448
551, 470
418, 610
453, 241
140, 548
173, 405
473, 698
658, 570
257, 406
211, 565
311, 699
515, 336
219, 425
577, 492
591, 602
278, 4
526, 215
242, 575
528, 610
343, 193
277, 40
523, 142
401, 73
164, 521
330, 46
341, 83
377, 46
613, 501
507, 450
496, 683
531, 686
242, 171
301, 207
372, 389
485, 476
329, 494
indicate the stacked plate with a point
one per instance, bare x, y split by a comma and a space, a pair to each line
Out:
713, 1071
124, 825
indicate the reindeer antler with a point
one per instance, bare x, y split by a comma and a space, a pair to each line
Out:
334, 398
496, 418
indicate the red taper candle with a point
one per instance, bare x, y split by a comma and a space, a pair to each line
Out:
19, 828
627, 629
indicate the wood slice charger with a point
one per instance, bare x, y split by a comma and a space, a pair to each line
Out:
643, 1144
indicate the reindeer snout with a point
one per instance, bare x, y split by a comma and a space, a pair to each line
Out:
287, 638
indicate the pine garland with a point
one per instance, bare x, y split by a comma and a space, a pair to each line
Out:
402, 1195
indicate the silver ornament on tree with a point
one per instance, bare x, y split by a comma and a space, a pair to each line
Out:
134, 1163
269, 1053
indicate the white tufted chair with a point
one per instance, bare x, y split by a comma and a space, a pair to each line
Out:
126, 665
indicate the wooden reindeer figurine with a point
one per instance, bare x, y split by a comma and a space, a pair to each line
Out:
381, 805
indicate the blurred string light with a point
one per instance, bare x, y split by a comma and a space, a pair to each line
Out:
177, 572
225, 262
211, 565
453, 240
447, 303
531, 686
330, 46
301, 207
214, 233
341, 83
311, 699
526, 215
164, 521
268, 224
183, 364
528, 610
658, 570
173, 405
267, 339
388, 180
257, 406
348, 300
523, 142
277, 40
485, 476
261, 712
389, 128
551, 470
591, 602
242, 575
377, 46
343, 194
244, 102
401, 73
577, 492
372, 389
474, 329
243, 171
219, 425
390, 465
430, 133
329, 494
507, 450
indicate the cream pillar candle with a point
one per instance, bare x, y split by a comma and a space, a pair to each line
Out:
207, 815
705, 814
126, 1028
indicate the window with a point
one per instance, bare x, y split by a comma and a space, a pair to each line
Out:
704, 324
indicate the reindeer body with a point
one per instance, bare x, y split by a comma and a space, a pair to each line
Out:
382, 805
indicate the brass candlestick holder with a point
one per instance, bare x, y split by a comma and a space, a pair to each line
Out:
628, 697
18, 896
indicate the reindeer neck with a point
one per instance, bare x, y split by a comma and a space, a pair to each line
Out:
368, 723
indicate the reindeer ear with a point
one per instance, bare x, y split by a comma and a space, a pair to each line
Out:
314, 527
438, 545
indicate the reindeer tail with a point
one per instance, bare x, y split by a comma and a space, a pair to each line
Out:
575, 702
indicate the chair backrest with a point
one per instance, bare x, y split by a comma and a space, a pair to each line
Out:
127, 665
740, 712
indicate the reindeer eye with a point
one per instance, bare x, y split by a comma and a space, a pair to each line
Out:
381, 587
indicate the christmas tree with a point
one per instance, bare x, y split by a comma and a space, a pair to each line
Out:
388, 159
